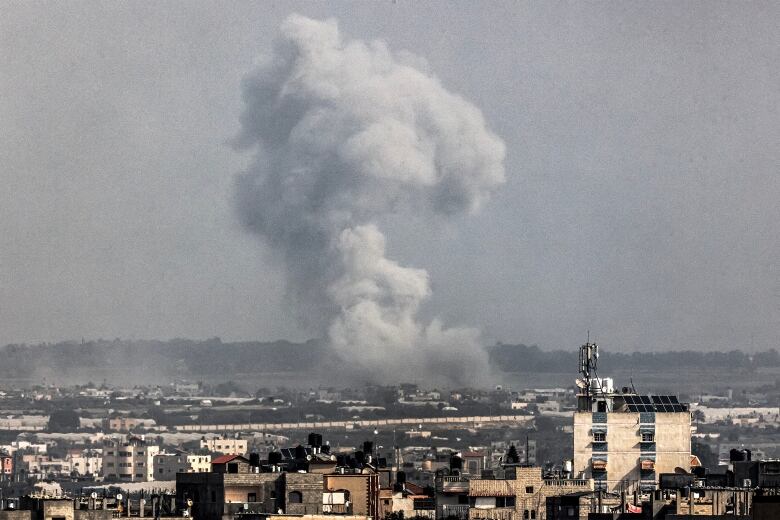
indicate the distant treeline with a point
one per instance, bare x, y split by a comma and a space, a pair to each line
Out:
147, 360
150, 361
523, 358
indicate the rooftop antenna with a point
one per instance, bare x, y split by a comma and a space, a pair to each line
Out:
589, 354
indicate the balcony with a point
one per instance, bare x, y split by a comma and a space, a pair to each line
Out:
455, 484
568, 482
244, 508
497, 513
461, 512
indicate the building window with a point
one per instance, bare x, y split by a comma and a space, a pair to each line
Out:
529, 489
505, 501
533, 514
599, 437
525, 514
648, 437
295, 497
251, 497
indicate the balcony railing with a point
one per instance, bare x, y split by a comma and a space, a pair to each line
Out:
567, 482
239, 508
453, 511
496, 513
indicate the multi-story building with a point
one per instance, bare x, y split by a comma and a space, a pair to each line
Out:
226, 446
128, 460
235, 488
167, 465
525, 496
6, 466
623, 440
86, 462
352, 493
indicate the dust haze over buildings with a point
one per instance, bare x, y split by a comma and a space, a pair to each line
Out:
348, 131
641, 171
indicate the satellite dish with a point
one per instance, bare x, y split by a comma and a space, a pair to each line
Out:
93, 495
580, 383
119, 496
308, 457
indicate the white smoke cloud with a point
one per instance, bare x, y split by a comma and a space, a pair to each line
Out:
347, 131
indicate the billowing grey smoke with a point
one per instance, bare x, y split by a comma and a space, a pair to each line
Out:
347, 131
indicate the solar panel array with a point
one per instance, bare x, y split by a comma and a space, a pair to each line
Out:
654, 403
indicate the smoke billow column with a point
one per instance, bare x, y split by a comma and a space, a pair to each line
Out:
347, 131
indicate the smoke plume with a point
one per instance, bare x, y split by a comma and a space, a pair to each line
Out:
347, 131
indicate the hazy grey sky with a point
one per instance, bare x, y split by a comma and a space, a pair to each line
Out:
643, 170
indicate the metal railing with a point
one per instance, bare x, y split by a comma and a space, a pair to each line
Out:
453, 511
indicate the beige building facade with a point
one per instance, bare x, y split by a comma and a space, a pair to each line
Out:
130, 460
167, 465
525, 497
625, 450
228, 446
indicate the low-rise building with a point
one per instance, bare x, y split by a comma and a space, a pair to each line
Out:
227, 446
525, 496
121, 423
167, 465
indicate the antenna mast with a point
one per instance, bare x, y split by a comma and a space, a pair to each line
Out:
589, 354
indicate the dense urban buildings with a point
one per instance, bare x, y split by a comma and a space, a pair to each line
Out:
221, 453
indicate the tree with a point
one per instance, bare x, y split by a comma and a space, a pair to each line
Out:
64, 421
511, 456
708, 458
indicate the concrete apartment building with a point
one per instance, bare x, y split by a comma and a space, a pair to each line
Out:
167, 465
86, 462
352, 493
623, 440
524, 497
128, 460
226, 446
234, 487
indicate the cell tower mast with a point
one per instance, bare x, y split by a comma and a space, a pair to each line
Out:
589, 355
